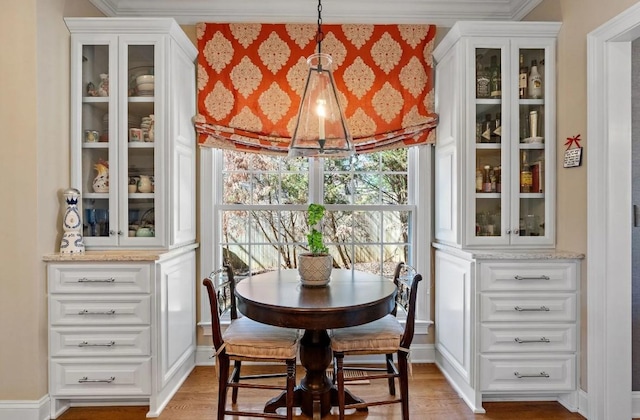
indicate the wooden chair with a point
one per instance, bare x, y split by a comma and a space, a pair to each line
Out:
384, 336
247, 340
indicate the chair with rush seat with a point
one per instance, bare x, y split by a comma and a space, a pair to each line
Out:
384, 336
247, 340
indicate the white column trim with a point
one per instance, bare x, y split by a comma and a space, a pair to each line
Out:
608, 218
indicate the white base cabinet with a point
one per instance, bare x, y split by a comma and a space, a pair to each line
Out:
507, 325
121, 327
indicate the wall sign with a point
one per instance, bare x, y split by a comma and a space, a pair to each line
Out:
573, 155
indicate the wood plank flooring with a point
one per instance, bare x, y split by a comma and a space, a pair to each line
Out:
431, 397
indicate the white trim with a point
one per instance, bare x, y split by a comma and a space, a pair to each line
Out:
439, 12
25, 409
608, 217
635, 404
583, 403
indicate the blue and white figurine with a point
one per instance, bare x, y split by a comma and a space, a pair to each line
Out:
72, 224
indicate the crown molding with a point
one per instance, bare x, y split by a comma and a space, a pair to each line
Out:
438, 12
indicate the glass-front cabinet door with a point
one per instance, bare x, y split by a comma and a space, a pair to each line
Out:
512, 132
114, 150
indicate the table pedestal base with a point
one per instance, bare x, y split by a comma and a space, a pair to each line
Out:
316, 393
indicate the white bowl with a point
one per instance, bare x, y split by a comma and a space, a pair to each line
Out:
145, 78
146, 86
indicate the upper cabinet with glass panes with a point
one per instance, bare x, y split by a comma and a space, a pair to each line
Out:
495, 91
132, 141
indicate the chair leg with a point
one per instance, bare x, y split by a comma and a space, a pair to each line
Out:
392, 381
404, 383
291, 383
339, 373
236, 379
223, 371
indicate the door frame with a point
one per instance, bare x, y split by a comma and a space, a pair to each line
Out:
609, 216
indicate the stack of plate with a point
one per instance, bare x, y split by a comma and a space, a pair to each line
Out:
145, 85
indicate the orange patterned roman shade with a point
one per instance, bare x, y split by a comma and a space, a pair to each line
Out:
251, 78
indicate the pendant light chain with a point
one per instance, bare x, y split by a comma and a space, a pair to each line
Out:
320, 34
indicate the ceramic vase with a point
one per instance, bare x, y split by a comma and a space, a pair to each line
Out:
101, 181
71, 242
144, 184
103, 87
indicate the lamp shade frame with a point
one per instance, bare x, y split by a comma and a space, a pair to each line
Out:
321, 128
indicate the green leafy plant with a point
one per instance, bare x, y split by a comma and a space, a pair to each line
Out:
314, 238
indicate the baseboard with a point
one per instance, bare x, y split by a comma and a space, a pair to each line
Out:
420, 353
25, 410
635, 404
583, 404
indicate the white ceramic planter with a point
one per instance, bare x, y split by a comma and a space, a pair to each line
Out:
315, 270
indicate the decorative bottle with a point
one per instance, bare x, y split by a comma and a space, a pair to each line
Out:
483, 88
486, 179
496, 78
71, 242
535, 82
523, 78
526, 177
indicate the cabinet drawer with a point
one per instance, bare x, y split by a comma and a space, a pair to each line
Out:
527, 338
99, 310
542, 373
100, 341
531, 276
104, 278
528, 307
101, 377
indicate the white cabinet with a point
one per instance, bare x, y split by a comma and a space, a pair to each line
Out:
507, 324
495, 148
132, 141
121, 327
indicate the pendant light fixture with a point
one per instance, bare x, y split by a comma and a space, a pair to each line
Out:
321, 129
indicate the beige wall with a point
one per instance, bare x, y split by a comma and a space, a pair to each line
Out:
578, 17
34, 169
34, 165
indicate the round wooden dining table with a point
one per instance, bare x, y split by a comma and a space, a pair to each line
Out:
351, 298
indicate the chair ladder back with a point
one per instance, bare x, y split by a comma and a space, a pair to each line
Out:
403, 278
220, 287
409, 327
225, 287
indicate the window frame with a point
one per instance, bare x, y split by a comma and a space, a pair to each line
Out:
420, 172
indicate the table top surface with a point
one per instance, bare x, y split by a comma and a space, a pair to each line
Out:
350, 298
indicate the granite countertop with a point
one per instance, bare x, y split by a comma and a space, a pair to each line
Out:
120, 255
509, 254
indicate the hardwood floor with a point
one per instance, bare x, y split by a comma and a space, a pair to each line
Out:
431, 397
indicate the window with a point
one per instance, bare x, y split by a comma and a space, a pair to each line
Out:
254, 210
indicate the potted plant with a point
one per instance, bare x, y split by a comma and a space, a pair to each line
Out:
315, 265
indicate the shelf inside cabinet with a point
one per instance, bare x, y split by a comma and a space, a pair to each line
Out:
531, 101
140, 145
98, 145
488, 195
140, 196
96, 196
489, 146
531, 195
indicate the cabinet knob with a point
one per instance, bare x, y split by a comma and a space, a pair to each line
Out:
120, 233
112, 232
516, 232
508, 231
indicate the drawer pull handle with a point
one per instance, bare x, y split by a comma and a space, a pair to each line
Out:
87, 312
543, 277
540, 309
87, 344
86, 280
542, 374
84, 380
541, 340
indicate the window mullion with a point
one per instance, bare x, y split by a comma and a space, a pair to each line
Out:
316, 177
